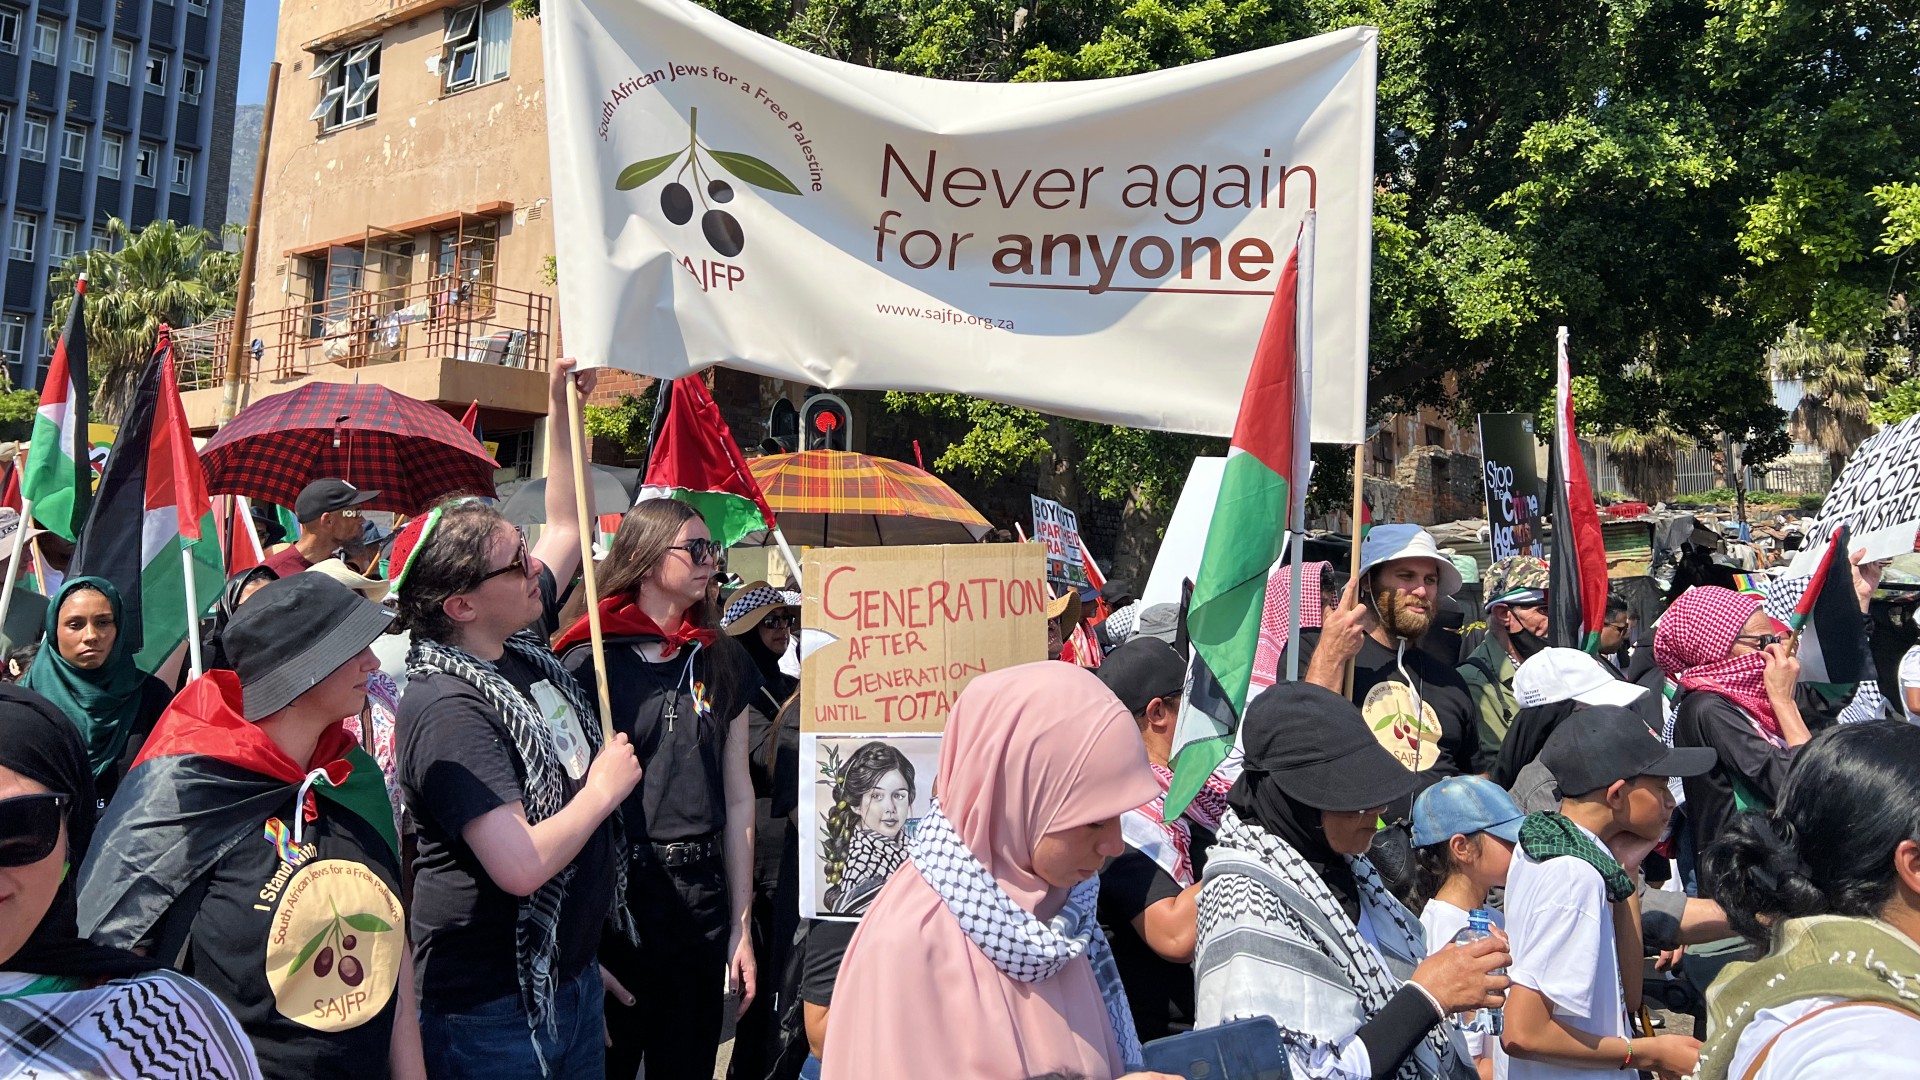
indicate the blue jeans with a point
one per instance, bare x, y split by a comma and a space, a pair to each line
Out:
811, 1069
493, 1041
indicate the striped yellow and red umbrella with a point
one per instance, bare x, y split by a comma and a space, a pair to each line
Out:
831, 498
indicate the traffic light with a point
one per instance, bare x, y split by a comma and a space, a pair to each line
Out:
826, 423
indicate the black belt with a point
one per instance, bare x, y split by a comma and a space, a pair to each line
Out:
679, 853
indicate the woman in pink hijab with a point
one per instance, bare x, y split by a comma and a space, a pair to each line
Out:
982, 958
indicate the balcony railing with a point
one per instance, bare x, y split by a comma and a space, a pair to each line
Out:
441, 318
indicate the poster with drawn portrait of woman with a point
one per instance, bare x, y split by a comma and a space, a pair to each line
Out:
861, 795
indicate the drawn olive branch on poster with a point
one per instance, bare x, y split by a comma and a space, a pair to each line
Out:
676, 202
839, 825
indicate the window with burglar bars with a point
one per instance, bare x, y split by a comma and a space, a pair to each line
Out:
478, 45
352, 86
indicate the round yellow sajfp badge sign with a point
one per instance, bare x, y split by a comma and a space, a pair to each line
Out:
1412, 738
334, 946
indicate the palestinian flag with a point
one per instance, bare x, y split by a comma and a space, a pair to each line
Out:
152, 499
696, 461
1261, 491
205, 781
59, 476
1577, 581
1833, 643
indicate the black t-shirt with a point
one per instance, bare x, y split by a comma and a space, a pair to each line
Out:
766, 763
1442, 690
306, 951
1159, 991
825, 947
458, 763
1703, 718
682, 793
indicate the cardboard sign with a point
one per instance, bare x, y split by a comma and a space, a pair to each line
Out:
1877, 496
892, 635
1058, 530
1512, 485
720, 197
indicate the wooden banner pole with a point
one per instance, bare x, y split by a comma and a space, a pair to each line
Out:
1353, 562
576, 434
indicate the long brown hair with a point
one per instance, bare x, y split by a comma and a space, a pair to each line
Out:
645, 537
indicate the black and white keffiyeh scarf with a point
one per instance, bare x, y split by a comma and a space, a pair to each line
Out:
1021, 946
536, 927
1254, 875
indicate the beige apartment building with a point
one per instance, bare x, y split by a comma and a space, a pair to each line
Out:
405, 236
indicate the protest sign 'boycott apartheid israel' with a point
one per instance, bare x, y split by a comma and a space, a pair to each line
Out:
1104, 249
894, 634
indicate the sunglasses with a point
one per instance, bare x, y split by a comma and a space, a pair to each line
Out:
701, 550
1761, 641
30, 827
778, 620
518, 565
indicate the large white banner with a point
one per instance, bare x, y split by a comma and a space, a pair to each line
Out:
1104, 249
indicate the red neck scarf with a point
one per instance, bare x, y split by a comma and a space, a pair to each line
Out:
620, 616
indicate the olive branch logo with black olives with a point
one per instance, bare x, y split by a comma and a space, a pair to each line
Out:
722, 229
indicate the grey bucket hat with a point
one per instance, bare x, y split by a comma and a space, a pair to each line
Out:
292, 634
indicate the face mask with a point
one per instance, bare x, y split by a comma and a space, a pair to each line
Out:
1525, 643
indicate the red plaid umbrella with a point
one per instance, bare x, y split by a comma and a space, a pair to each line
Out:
411, 452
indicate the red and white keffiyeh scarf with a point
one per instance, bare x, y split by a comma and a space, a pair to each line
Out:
1170, 843
1691, 646
1272, 649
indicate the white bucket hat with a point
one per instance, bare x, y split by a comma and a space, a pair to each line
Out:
1552, 675
1389, 543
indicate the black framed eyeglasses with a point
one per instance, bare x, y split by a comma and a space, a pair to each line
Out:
518, 564
1761, 641
30, 827
700, 550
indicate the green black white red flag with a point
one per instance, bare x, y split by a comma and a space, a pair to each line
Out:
1833, 643
152, 498
1262, 489
1577, 582
59, 477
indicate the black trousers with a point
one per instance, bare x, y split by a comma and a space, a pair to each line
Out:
676, 976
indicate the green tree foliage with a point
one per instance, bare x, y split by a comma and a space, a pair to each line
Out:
165, 273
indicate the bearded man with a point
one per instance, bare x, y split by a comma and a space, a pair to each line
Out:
1417, 706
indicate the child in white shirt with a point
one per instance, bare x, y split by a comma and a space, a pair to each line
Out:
1566, 1013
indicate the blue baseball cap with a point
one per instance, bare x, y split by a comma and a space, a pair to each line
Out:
1464, 805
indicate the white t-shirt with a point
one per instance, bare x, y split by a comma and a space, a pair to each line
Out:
1844, 1042
1909, 680
1560, 928
1441, 921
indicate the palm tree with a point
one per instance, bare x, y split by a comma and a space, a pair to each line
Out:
1646, 458
165, 273
1836, 398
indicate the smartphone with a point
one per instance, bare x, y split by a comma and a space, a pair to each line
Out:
1246, 1049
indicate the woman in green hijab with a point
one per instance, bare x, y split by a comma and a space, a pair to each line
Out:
85, 669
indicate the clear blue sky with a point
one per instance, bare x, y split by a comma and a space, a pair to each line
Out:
256, 49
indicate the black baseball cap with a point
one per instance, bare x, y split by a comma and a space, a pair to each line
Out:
1141, 670
1597, 746
292, 634
1317, 747
326, 496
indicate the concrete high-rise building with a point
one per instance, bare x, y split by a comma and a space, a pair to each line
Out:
108, 108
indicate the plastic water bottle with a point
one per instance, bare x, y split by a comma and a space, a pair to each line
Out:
1486, 1021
